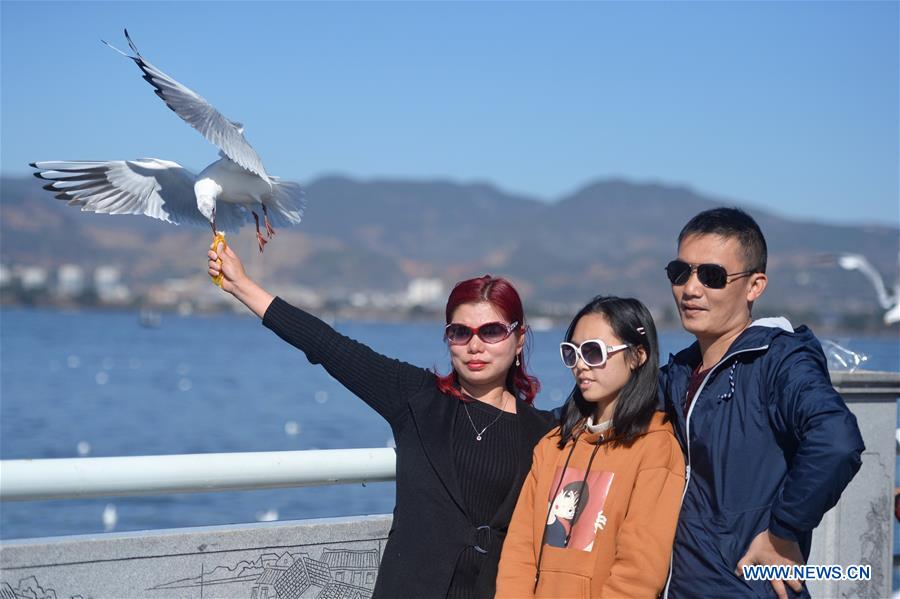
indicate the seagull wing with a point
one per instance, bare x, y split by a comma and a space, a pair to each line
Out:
227, 135
860, 263
157, 188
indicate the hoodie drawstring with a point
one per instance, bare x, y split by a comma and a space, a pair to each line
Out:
537, 573
581, 490
730, 393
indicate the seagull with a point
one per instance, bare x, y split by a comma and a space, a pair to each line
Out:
224, 195
890, 303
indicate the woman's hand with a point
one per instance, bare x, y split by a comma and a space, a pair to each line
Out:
235, 280
225, 262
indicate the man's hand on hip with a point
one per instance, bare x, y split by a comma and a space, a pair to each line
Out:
769, 550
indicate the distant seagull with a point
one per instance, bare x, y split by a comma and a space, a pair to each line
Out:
224, 195
890, 303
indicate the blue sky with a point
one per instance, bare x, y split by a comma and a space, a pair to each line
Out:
788, 106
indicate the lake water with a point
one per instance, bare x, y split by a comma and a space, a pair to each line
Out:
212, 384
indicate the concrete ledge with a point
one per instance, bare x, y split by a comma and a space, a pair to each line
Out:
332, 557
866, 385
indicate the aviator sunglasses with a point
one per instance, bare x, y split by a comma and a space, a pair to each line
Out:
713, 276
490, 332
593, 352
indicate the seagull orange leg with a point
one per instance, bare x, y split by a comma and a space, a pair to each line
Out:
259, 238
270, 231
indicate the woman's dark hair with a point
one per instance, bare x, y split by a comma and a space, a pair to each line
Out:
637, 400
501, 294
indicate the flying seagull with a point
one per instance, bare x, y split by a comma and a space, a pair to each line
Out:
224, 195
889, 302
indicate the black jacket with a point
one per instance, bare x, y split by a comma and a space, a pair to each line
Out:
430, 526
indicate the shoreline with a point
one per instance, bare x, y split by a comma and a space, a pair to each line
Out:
153, 315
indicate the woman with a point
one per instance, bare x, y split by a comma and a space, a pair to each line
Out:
464, 440
596, 516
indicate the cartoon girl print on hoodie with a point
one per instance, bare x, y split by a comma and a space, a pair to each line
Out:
576, 513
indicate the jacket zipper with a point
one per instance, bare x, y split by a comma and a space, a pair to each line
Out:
687, 440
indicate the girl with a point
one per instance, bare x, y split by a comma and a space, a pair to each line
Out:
464, 441
612, 472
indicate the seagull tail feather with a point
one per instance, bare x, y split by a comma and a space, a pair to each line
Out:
288, 203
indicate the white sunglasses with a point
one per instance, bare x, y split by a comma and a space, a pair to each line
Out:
593, 352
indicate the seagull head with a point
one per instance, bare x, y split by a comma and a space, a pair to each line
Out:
850, 261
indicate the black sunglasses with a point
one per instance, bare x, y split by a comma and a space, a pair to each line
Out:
490, 332
713, 276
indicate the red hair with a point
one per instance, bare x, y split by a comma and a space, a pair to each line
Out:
500, 293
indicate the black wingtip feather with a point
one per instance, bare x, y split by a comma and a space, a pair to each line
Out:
131, 43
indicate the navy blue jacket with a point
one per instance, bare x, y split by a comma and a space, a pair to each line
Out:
769, 444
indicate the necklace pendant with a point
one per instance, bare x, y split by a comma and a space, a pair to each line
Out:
478, 437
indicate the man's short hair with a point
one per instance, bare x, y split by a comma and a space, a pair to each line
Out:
731, 222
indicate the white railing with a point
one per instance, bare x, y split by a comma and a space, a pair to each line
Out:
23, 480
70, 478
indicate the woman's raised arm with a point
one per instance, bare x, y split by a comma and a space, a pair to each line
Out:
382, 382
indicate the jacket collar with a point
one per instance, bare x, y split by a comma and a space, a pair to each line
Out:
757, 336
760, 333
434, 415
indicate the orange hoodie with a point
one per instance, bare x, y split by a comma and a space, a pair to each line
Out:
624, 502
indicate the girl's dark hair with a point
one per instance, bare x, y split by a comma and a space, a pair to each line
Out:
501, 294
637, 399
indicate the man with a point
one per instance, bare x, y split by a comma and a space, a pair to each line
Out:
769, 444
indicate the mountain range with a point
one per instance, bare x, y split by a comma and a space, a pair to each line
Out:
610, 236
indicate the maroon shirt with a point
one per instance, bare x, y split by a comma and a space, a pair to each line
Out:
696, 379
